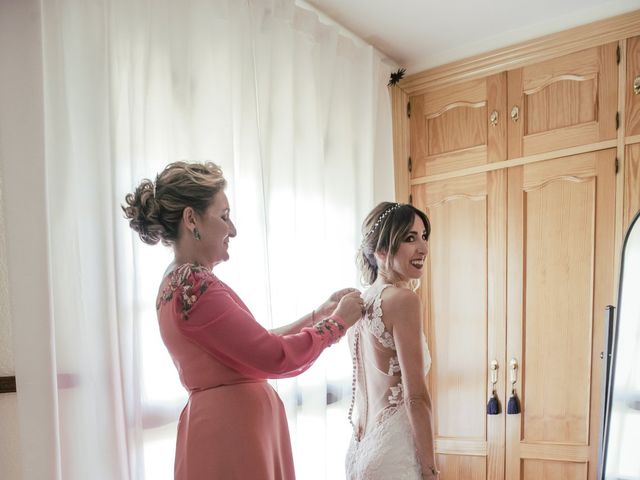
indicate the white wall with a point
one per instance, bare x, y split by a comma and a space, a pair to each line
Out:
23, 231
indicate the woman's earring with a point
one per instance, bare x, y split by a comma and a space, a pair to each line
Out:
196, 234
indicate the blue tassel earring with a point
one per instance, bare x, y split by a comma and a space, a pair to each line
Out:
493, 405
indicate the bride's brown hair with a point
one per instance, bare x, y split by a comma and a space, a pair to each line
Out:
383, 230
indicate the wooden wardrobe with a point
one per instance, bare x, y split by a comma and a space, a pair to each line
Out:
527, 162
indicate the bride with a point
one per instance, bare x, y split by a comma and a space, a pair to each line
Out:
393, 434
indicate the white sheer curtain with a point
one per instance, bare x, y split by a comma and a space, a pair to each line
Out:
296, 114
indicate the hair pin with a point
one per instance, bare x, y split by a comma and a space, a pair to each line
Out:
381, 218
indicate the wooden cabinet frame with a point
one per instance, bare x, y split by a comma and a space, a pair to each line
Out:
500, 70
614, 29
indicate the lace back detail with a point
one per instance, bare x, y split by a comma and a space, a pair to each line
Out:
380, 365
394, 365
373, 321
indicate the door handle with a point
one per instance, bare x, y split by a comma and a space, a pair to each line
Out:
515, 113
494, 372
493, 118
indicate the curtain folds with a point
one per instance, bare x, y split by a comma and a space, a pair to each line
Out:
296, 114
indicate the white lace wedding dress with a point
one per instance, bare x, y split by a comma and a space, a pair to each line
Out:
382, 447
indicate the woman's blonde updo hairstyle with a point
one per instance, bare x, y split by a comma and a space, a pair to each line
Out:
155, 210
394, 222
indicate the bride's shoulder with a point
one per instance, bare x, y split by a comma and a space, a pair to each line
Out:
400, 299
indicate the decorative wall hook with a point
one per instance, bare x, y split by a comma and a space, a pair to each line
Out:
396, 77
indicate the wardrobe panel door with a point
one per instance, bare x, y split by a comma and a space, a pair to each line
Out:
560, 277
454, 467
463, 294
551, 470
563, 102
631, 202
453, 128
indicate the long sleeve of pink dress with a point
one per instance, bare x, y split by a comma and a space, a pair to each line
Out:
234, 425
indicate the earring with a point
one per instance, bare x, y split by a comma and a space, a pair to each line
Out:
196, 234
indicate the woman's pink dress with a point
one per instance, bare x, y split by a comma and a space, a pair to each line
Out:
234, 424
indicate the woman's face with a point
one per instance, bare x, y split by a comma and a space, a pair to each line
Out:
216, 228
408, 262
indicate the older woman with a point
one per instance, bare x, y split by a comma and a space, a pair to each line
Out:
234, 424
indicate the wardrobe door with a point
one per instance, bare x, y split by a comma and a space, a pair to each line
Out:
563, 102
463, 292
632, 88
631, 202
458, 126
560, 278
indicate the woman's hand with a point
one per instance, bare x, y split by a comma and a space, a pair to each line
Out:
327, 308
350, 308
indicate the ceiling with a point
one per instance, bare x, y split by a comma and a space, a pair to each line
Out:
419, 34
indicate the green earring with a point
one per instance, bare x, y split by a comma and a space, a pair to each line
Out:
196, 234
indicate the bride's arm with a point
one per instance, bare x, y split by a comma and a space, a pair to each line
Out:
405, 306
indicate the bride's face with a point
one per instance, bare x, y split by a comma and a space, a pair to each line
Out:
408, 262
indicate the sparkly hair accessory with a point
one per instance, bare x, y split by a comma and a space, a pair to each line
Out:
381, 218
